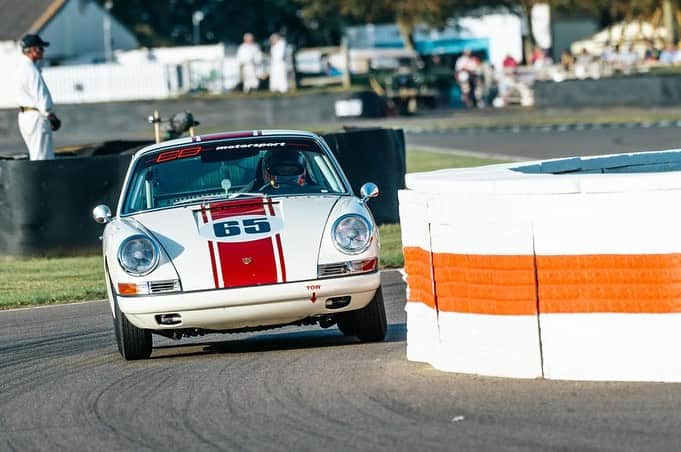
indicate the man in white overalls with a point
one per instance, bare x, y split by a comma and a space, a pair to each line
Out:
36, 118
249, 58
278, 71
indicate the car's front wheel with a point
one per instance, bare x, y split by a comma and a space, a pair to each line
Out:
369, 324
133, 343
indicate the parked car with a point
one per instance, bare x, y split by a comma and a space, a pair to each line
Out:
239, 232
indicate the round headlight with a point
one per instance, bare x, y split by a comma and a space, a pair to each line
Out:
138, 255
352, 234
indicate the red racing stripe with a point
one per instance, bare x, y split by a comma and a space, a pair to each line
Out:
280, 250
204, 217
244, 263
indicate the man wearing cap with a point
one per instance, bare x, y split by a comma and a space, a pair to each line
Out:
36, 118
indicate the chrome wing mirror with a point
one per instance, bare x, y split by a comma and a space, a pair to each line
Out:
368, 190
101, 214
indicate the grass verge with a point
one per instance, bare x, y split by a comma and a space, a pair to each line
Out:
30, 282
419, 160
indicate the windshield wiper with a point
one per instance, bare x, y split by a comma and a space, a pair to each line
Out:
246, 193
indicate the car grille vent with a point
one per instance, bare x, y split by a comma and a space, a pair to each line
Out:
333, 269
172, 285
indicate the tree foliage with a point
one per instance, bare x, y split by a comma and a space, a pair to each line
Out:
165, 22
405, 13
320, 22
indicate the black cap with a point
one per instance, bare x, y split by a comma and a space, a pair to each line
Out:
31, 40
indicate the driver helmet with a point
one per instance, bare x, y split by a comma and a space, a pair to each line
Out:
284, 166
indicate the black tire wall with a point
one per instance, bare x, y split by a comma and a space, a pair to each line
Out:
373, 155
46, 206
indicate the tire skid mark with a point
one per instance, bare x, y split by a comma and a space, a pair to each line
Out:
293, 411
62, 345
52, 340
52, 394
309, 418
241, 368
27, 377
149, 379
10, 446
312, 413
187, 411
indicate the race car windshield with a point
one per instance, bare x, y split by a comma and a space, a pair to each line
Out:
200, 172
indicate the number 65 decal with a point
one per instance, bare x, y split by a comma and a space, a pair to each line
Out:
241, 229
245, 226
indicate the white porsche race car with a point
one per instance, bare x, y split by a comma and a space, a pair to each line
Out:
240, 232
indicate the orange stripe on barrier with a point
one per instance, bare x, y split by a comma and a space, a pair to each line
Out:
610, 283
484, 284
418, 267
505, 285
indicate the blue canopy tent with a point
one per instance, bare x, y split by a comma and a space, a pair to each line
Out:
451, 46
449, 41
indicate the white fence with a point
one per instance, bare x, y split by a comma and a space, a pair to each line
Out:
117, 82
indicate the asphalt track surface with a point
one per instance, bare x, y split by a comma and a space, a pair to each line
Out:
547, 143
63, 386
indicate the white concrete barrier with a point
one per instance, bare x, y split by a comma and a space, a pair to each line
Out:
422, 329
569, 268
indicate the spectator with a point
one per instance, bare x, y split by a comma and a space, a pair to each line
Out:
36, 118
278, 70
466, 73
509, 64
582, 64
650, 55
249, 57
567, 61
669, 54
677, 57
540, 59
627, 59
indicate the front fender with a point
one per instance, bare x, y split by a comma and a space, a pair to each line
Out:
329, 253
114, 234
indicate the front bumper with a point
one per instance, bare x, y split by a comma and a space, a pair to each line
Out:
223, 309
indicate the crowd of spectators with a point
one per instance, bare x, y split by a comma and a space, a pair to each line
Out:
483, 85
611, 59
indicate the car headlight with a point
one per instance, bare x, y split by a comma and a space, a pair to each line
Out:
138, 255
352, 234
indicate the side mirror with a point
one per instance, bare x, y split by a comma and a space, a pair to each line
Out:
368, 190
101, 214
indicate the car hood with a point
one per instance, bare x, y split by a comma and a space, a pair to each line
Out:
242, 242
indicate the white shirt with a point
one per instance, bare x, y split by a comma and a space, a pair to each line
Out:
278, 71
278, 52
31, 88
249, 54
466, 63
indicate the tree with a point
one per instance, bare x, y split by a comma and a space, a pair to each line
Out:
405, 13
657, 11
168, 22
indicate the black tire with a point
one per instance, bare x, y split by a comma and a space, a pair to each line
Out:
133, 343
369, 324
346, 324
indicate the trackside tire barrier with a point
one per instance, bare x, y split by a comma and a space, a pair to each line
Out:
563, 269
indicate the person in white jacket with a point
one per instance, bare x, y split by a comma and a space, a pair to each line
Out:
249, 58
36, 117
278, 70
